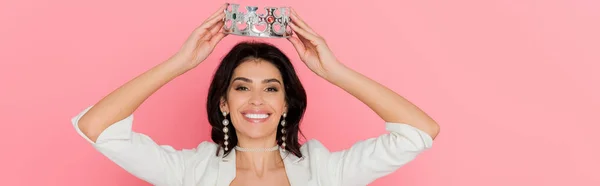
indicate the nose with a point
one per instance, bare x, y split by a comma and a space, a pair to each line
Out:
256, 99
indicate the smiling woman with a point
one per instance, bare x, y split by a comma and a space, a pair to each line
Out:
254, 87
255, 105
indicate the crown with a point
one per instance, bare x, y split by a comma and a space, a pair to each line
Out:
273, 24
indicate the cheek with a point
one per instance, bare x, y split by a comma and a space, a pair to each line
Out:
276, 101
236, 100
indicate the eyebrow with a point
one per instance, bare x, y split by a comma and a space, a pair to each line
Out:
250, 81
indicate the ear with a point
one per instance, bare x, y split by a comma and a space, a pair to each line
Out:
223, 105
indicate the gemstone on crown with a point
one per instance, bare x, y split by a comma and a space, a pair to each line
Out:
251, 19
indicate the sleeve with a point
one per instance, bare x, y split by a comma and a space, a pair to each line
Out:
139, 155
374, 158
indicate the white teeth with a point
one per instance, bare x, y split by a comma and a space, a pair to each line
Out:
257, 116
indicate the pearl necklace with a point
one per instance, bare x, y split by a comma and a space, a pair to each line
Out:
274, 148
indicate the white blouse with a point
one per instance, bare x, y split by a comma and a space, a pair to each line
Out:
361, 164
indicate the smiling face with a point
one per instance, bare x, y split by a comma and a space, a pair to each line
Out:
255, 99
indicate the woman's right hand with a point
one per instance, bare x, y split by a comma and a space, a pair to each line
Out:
202, 41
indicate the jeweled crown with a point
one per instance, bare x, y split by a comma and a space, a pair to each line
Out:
273, 24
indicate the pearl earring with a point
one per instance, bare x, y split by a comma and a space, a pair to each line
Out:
225, 130
283, 131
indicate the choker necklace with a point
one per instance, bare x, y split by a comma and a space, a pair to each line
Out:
274, 148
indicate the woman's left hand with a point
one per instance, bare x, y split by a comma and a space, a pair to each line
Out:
311, 48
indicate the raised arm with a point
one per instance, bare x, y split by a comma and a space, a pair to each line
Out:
123, 101
411, 131
390, 106
108, 123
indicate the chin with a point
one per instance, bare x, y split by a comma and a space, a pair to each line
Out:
257, 133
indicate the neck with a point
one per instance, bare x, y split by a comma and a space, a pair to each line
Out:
258, 161
249, 143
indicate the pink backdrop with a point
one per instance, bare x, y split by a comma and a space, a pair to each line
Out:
514, 84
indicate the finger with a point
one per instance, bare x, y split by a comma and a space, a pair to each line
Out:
215, 19
217, 38
298, 21
300, 48
210, 23
220, 10
305, 41
203, 32
213, 31
200, 30
308, 36
217, 27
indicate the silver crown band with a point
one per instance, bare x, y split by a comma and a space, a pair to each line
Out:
276, 26
274, 148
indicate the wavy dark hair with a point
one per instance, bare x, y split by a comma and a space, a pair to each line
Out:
295, 95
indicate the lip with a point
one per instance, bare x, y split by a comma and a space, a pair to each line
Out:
256, 112
254, 120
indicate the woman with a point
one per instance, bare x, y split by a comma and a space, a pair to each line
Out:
255, 105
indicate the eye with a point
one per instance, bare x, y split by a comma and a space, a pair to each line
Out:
272, 89
241, 88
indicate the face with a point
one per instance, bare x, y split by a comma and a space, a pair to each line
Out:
255, 99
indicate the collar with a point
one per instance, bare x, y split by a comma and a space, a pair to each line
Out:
296, 168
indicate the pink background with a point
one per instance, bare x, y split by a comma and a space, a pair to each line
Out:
514, 84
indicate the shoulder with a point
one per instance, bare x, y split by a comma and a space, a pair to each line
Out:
313, 146
368, 159
315, 151
206, 146
200, 155
204, 149
399, 136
